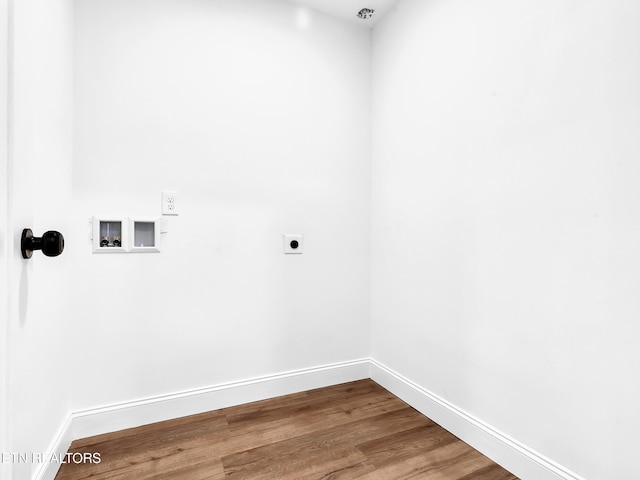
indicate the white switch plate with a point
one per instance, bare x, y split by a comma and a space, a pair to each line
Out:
170, 203
293, 243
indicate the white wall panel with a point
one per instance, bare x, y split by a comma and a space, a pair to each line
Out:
506, 217
261, 122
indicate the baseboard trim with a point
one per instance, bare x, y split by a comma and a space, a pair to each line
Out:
523, 461
59, 445
519, 459
111, 418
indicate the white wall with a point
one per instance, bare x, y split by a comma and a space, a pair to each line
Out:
4, 236
505, 210
257, 112
39, 179
506, 217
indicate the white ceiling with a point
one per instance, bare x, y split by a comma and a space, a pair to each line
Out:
347, 9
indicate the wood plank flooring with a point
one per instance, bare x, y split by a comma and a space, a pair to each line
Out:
356, 430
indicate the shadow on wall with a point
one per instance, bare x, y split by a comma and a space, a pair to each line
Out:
23, 303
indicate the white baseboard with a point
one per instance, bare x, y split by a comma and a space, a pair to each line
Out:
511, 454
111, 418
59, 445
520, 460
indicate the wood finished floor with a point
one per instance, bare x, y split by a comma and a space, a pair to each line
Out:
356, 430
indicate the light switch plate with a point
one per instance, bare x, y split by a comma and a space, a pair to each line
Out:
293, 244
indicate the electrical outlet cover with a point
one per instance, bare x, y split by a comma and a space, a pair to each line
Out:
293, 244
170, 203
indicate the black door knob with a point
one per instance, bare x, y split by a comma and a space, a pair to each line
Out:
51, 243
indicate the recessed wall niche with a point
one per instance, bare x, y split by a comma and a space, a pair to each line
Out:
109, 234
115, 234
145, 236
